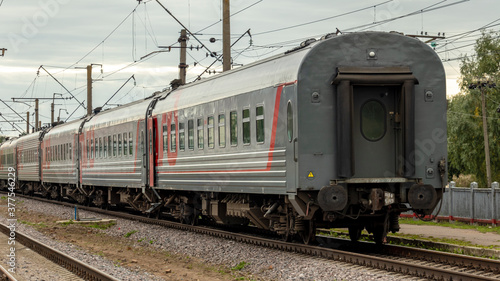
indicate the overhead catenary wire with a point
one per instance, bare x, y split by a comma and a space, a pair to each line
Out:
417, 12
183, 26
105, 38
462, 35
323, 19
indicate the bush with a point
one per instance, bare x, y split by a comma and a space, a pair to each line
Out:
464, 180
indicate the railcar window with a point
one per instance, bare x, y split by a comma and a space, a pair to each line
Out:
222, 130
91, 149
109, 146
199, 123
96, 146
233, 127
182, 138
190, 134
173, 144
210, 125
114, 146
119, 144
142, 142
125, 144
246, 126
130, 144
373, 120
105, 147
165, 138
100, 148
259, 124
70, 152
289, 121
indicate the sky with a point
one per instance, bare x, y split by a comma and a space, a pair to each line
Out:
124, 38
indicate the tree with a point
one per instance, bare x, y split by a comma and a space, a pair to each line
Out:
465, 134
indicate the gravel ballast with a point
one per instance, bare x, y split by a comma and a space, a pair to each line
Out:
260, 262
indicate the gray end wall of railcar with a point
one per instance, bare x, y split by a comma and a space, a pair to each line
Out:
317, 120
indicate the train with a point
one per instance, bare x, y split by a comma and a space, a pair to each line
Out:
346, 131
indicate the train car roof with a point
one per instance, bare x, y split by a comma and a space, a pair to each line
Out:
61, 129
121, 114
30, 137
266, 73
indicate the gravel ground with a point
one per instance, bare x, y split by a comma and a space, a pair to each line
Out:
69, 249
30, 265
262, 263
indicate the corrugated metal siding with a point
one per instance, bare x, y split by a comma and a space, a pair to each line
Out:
60, 171
29, 170
123, 170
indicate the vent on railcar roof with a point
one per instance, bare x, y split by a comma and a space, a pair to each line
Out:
302, 45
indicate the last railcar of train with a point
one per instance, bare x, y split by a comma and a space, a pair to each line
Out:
346, 131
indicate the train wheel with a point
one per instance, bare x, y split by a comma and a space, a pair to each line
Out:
309, 234
25, 189
194, 218
54, 193
286, 237
188, 215
380, 230
355, 233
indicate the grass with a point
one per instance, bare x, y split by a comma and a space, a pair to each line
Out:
36, 225
457, 225
128, 234
66, 223
240, 266
342, 233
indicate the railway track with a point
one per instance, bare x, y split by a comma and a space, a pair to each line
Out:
404, 260
79, 269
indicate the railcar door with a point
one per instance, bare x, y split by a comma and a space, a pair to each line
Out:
290, 124
375, 121
142, 153
152, 124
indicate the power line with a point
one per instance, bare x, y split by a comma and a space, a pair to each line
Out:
105, 38
417, 12
320, 20
464, 34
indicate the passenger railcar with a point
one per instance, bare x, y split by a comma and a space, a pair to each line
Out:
28, 166
59, 160
347, 131
112, 144
8, 159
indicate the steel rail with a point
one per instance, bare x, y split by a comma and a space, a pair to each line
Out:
434, 271
5, 275
79, 268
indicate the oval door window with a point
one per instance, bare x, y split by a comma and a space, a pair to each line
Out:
373, 120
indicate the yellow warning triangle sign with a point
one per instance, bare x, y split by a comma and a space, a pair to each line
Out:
310, 175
